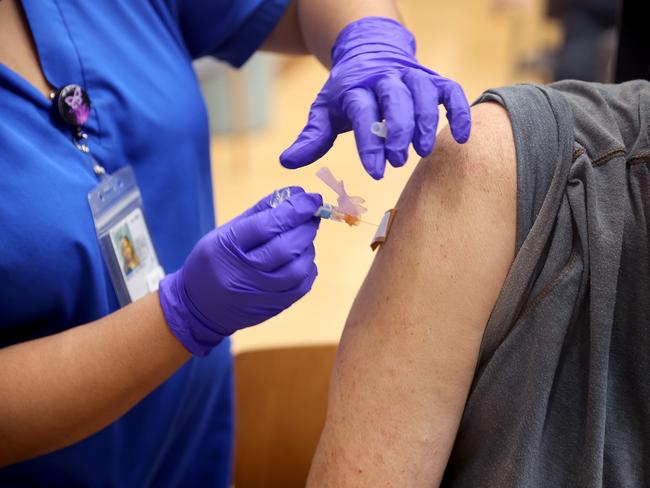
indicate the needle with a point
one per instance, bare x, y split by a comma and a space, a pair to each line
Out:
369, 223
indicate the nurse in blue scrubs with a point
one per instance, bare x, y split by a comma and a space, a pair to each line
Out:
97, 394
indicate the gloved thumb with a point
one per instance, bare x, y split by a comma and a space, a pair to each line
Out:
314, 141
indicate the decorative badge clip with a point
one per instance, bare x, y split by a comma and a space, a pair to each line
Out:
73, 104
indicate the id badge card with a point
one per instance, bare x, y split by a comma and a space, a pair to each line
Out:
124, 239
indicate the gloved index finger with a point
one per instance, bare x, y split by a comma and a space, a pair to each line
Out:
257, 229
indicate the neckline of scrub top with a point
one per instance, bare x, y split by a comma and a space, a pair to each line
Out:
58, 55
26, 87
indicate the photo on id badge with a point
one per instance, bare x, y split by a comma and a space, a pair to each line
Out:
133, 250
129, 261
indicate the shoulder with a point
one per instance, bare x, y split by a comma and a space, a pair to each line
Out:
486, 163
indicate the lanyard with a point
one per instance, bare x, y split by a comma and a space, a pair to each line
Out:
73, 105
117, 210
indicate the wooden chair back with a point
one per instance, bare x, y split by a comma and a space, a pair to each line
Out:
281, 402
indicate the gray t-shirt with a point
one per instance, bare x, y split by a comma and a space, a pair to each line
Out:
561, 394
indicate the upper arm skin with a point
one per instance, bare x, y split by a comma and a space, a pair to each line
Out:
311, 26
409, 349
287, 37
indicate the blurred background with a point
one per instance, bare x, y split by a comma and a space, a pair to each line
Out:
257, 112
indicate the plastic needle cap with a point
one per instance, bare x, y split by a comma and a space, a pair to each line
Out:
379, 129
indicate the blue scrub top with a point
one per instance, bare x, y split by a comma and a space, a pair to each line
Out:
134, 60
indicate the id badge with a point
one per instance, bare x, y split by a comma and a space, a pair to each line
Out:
124, 239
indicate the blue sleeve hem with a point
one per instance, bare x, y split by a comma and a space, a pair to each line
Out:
241, 45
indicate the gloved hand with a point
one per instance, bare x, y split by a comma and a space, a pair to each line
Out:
376, 76
243, 272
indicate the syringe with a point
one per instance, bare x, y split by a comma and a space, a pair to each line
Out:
330, 212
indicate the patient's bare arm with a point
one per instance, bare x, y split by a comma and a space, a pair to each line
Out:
410, 345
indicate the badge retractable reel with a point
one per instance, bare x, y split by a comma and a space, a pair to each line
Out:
117, 210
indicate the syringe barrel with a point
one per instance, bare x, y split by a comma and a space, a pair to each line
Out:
325, 211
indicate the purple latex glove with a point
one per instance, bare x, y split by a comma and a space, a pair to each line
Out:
376, 76
243, 272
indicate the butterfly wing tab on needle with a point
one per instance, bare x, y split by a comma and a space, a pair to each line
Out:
351, 205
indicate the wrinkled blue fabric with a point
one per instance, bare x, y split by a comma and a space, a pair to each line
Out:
134, 60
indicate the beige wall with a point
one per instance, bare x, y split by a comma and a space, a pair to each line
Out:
466, 40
